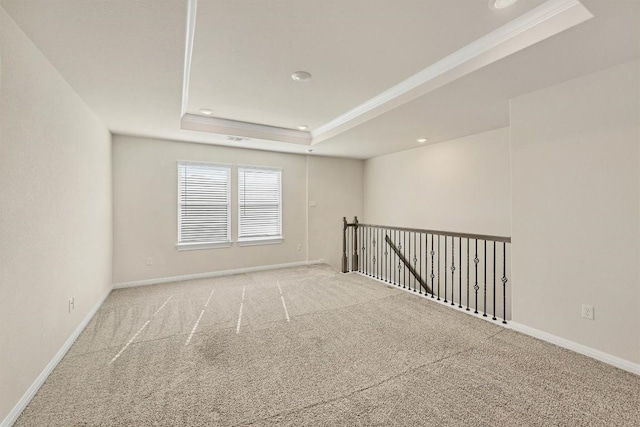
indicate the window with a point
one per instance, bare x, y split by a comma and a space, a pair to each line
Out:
259, 205
203, 205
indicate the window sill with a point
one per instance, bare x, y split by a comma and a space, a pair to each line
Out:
260, 241
204, 245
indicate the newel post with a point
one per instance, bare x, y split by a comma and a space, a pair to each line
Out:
345, 267
355, 265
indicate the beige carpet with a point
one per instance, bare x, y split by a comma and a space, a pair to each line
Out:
355, 352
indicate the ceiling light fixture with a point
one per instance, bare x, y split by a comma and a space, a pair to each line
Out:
421, 140
302, 127
301, 76
501, 4
206, 111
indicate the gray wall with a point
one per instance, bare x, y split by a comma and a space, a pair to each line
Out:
336, 189
55, 212
576, 206
459, 185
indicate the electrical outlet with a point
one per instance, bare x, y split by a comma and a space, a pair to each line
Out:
149, 261
72, 304
587, 311
299, 248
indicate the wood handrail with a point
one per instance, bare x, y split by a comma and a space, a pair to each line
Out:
491, 238
407, 264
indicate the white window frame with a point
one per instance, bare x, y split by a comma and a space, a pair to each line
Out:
259, 240
185, 246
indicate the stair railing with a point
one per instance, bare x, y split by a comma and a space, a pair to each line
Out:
469, 271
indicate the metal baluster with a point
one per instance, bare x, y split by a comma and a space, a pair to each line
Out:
379, 254
485, 279
369, 250
362, 258
391, 264
460, 272
433, 276
374, 253
368, 240
408, 257
420, 256
453, 269
438, 267
468, 243
404, 267
476, 287
365, 253
415, 262
385, 273
356, 262
445, 269
399, 246
392, 255
504, 283
397, 258
494, 281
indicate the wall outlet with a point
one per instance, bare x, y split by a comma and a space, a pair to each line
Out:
299, 248
149, 261
72, 304
587, 311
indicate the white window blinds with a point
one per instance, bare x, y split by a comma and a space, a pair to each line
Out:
203, 204
259, 203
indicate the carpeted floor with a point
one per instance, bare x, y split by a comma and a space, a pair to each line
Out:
355, 352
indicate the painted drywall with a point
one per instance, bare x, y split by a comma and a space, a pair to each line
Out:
55, 212
145, 212
460, 185
575, 185
335, 191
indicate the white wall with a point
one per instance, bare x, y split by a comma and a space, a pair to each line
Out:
145, 213
55, 212
576, 184
336, 188
460, 185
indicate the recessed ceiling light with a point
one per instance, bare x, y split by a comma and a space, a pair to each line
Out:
301, 76
206, 111
501, 4
421, 140
302, 127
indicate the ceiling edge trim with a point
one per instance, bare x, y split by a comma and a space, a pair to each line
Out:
226, 127
452, 62
192, 6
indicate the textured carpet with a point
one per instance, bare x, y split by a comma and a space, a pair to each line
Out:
355, 352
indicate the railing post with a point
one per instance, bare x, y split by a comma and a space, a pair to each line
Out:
345, 267
356, 264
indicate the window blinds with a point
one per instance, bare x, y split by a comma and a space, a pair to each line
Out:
259, 203
203, 203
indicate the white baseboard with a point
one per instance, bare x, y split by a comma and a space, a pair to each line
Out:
610, 359
33, 389
212, 274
